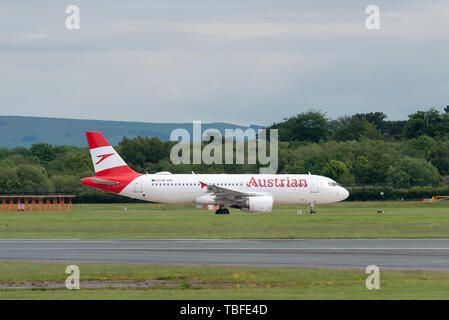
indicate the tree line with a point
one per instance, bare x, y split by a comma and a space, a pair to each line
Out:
366, 149
358, 150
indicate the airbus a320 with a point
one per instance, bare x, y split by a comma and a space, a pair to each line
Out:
247, 192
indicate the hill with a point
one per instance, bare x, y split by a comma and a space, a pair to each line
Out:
18, 131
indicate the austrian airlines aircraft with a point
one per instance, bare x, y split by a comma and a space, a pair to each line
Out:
247, 192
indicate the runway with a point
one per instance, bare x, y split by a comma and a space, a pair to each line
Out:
423, 254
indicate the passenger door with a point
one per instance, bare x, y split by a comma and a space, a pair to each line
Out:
314, 185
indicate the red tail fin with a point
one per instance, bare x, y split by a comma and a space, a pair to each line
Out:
108, 165
96, 140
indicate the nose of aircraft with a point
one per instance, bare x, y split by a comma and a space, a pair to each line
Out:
343, 193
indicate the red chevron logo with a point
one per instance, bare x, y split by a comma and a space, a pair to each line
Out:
203, 185
103, 157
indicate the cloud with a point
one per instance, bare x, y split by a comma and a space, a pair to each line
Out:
243, 62
32, 36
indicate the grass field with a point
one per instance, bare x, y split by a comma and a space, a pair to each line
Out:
153, 221
217, 282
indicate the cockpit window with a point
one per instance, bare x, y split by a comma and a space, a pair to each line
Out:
333, 184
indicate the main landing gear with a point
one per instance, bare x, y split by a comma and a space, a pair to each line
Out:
312, 208
222, 211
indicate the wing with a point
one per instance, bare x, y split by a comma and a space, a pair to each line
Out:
227, 196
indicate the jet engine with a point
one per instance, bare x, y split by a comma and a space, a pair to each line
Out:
258, 204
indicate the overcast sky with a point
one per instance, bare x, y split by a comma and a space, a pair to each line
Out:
245, 62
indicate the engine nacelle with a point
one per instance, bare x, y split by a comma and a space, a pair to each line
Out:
258, 204
205, 200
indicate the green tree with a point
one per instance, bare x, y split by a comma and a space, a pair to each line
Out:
43, 151
32, 177
423, 144
408, 172
354, 128
6, 163
141, 151
394, 129
65, 183
75, 163
337, 170
431, 123
8, 180
310, 126
295, 168
439, 157
375, 118
362, 170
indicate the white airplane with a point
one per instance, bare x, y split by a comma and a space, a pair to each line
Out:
247, 192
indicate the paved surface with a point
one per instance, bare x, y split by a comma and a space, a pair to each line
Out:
387, 253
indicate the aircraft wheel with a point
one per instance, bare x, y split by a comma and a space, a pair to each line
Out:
225, 211
312, 209
219, 211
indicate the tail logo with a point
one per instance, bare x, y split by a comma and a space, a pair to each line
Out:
103, 157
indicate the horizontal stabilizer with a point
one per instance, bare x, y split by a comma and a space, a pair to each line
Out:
104, 181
